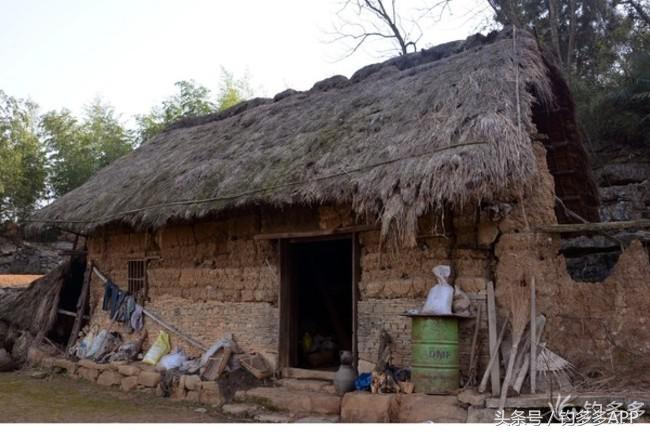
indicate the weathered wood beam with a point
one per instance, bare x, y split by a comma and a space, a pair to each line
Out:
594, 227
315, 233
81, 306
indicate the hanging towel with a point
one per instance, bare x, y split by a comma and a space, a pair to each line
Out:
136, 318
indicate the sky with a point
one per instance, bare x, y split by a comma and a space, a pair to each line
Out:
65, 53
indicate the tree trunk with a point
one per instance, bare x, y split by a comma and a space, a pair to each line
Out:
554, 26
571, 45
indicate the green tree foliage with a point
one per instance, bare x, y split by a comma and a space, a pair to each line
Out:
602, 47
191, 100
232, 90
22, 158
79, 148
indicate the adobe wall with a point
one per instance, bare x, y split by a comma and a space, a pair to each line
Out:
597, 326
211, 278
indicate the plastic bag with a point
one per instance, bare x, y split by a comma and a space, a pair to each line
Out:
85, 344
160, 348
98, 341
362, 383
172, 360
441, 295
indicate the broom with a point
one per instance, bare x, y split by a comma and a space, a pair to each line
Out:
518, 303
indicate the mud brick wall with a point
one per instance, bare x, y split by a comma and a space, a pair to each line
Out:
394, 281
600, 327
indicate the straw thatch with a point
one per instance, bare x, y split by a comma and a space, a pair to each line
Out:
34, 309
444, 126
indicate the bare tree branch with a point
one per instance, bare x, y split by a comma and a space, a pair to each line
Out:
378, 19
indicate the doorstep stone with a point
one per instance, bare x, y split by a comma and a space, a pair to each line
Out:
129, 383
472, 397
435, 408
89, 374
150, 379
362, 406
128, 370
240, 410
109, 378
481, 415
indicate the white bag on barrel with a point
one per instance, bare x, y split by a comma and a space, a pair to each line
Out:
441, 296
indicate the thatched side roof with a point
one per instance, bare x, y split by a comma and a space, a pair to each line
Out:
34, 308
441, 127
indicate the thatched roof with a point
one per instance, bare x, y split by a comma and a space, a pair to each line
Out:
34, 308
442, 127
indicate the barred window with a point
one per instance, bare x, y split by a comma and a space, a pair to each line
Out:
136, 278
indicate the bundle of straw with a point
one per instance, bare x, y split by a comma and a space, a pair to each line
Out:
517, 297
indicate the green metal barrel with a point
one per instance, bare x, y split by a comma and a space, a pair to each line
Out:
434, 354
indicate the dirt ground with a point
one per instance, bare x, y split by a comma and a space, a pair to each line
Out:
24, 398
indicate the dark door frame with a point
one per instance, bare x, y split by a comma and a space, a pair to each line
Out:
287, 329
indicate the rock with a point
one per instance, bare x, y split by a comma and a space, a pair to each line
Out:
192, 396
89, 374
150, 379
192, 382
47, 362
66, 365
273, 417
488, 232
6, 362
366, 407
472, 397
320, 419
240, 410
87, 363
129, 383
109, 378
293, 401
435, 408
480, 415
211, 394
212, 398
178, 393
200, 410
128, 370
35, 356
38, 374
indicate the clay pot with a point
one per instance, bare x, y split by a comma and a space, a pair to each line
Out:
346, 374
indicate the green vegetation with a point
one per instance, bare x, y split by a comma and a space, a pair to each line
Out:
45, 155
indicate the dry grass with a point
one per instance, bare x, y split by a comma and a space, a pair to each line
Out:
433, 129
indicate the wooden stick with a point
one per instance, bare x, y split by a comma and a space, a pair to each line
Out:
524, 370
492, 335
493, 357
81, 306
533, 336
473, 357
594, 227
159, 321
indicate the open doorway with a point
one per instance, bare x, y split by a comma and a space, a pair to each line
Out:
318, 307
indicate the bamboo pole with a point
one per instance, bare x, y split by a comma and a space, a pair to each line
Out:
533, 336
493, 358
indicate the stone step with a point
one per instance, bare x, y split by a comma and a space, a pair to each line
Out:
313, 385
294, 402
303, 373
